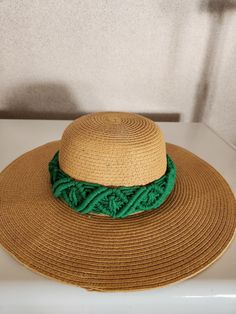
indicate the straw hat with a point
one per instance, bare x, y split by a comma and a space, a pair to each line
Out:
112, 207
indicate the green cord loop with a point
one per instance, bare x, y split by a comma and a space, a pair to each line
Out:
117, 202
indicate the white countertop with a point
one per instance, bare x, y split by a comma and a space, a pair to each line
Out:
212, 291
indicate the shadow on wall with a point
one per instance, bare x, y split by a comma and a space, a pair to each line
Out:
54, 101
207, 81
40, 101
162, 117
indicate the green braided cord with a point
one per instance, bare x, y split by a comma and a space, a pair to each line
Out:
117, 202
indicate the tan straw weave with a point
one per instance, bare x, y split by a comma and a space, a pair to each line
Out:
113, 149
190, 230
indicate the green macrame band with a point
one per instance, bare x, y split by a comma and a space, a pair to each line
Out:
118, 202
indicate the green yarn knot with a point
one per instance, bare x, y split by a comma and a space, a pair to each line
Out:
117, 202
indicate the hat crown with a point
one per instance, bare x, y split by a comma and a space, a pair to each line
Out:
113, 149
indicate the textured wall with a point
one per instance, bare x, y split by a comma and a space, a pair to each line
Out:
175, 58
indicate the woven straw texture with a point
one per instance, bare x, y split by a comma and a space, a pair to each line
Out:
112, 149
151, 249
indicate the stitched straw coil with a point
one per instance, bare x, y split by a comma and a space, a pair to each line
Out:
190, 230
113, 149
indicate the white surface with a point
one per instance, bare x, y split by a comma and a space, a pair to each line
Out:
62, 57
212, 291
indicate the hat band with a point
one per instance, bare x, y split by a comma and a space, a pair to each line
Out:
118, 202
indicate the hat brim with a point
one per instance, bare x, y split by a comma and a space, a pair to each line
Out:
150, 249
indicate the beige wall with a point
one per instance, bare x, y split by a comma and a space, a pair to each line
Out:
173, 58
